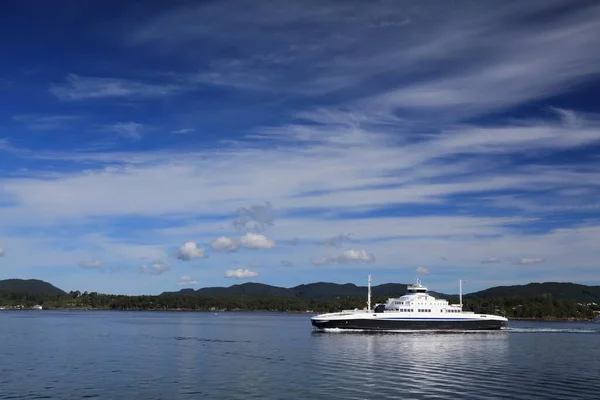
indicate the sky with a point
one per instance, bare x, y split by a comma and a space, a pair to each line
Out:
149, 146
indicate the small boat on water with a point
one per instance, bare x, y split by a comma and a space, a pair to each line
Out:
416, 310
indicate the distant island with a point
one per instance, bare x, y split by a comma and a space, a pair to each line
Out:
536, 301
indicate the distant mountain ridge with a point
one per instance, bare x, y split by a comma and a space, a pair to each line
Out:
33, 286
559, 290
324, 290
328, 290
318, 290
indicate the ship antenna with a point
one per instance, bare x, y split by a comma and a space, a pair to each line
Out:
460, 292
369, 295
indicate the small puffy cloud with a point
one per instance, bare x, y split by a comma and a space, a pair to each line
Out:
94, 264
2, 251
491, 260
240, 273
286, 263
183, 131
347, 256
422, 271
156, 268
256, 241
336, 240
258, 217
225, 244
187, 280
358, 255
527, 261
189, 251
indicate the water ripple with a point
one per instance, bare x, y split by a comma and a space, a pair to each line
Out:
63, 355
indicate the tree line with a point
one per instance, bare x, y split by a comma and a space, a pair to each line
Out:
540, 307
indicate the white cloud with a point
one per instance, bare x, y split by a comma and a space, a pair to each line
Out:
240, 273
93, 264
45, 122
156, 268
422, 271
336, 240
257, 217
347, 256
183, 131
521, 60
130, 130
256, 241
491, 260
533, 260
225, 244
189, 251
84, 88
187, 280
332, 170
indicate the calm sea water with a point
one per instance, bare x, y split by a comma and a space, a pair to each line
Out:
186, 355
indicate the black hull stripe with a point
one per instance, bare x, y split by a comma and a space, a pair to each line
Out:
369, 324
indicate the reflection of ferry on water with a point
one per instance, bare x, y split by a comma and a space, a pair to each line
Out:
416, 310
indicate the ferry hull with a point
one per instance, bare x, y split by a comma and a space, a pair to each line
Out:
390, 325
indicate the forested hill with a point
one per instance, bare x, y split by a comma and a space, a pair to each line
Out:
319, 290
557, 290
32, 286
324, 290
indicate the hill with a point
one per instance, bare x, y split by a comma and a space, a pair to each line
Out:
318, 290
557, 290
327, 290
30, 286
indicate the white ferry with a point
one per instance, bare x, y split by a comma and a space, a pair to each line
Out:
416, 310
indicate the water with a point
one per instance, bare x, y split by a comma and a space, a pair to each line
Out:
184, 355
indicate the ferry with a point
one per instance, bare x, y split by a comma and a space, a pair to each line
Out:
416, 310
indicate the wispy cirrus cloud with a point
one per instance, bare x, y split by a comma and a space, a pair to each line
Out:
491, 260
187, 280
404, 150
336, 240
93, 264
129, 130
320, 48
183, 131
530, 260
46, 122
77, 88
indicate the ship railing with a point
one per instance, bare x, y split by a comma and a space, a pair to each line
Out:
345, 312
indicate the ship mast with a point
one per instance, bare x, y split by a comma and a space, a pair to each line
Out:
369, 295
460, 292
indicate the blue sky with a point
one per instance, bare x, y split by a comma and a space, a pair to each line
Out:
151, 146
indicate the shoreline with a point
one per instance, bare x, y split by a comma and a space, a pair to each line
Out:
543, 319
